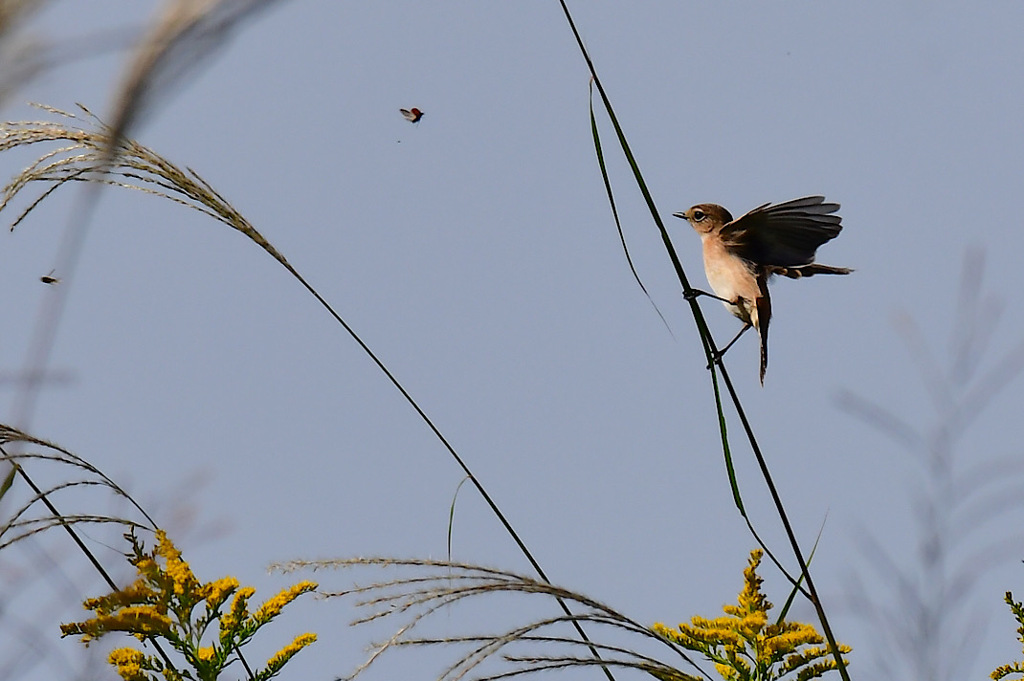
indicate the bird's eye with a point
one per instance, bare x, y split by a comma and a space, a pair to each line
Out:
699, 215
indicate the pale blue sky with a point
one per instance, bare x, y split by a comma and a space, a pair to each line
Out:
475, 252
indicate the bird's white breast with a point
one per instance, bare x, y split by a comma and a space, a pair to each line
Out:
729, 276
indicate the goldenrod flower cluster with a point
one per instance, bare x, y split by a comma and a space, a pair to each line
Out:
745, 646
163, 604
1015, 667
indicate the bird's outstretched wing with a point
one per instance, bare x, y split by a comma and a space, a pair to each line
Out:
783, 234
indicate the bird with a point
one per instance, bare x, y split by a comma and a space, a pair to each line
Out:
412, 115
741, 255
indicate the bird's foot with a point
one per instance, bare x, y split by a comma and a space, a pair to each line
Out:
694, 293
717, 355
716, 358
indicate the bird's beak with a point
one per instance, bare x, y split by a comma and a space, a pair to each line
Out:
680, 215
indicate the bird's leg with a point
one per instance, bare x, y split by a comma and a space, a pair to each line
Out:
695, 292
717, 356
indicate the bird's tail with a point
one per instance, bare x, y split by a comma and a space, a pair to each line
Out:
764, 315
799, 271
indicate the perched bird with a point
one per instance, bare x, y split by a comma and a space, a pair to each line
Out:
412, 115
741, 255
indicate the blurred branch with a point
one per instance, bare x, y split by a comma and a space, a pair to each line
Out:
181, 38
923, 621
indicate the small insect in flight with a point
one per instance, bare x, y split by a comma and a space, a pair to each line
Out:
50, 279
412, 115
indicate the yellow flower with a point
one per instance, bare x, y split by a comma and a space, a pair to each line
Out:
172, 674
217, 592
165, 547
743, 645
160, 605
137, 592
751, 599
231, 620
751, 624
1006, 670
272, 608
785, 643
705, 632
727, 671
184, 582
129, 663
1016, 667
282, 656
141, 619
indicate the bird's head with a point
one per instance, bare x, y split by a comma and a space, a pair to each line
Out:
705, 217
